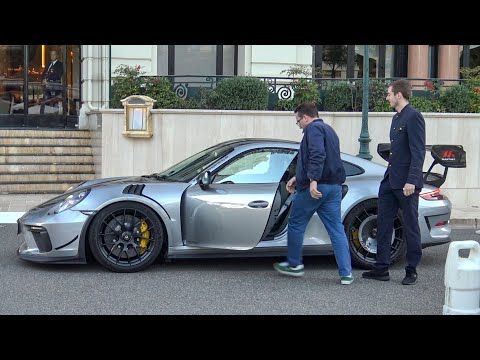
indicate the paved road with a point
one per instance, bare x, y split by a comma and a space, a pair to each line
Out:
213, 286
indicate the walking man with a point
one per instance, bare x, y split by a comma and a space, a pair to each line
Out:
401, 185
318, 184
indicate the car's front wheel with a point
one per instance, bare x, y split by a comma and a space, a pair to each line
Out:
126, 237
361, 229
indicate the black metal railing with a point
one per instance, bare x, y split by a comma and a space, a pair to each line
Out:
282, 88
282, 85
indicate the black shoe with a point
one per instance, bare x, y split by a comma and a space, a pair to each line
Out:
410, 278
382, 275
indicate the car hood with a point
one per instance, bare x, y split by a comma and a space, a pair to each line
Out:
116, 180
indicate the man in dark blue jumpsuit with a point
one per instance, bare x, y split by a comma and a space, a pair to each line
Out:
401, 185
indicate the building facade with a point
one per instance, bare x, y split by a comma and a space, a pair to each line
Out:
29, 98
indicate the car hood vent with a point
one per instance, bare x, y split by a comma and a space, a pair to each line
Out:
134, 189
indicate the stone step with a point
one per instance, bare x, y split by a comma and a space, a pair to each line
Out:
47, 168
45, 133
42, 177
45, 150
45, 141
46, 159
43, 188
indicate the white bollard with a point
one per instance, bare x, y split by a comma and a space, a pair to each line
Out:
462, 279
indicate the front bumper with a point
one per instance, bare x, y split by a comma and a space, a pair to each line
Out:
47, 237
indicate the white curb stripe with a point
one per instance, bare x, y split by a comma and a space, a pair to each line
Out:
10, 217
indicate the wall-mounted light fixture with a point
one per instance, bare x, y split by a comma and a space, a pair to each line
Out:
138, 122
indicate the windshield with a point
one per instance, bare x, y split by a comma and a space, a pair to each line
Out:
196, 164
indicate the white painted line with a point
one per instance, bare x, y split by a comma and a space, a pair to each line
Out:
10, 217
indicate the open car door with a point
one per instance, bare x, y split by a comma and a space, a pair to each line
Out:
449, 156
238, 204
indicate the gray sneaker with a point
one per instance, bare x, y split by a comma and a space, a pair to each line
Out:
285, 269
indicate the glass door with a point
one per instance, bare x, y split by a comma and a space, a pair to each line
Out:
12, 81
42, 83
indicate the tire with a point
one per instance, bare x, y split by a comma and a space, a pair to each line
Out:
116, 241
361, 229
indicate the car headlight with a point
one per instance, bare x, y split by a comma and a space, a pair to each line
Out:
71, 200
74, 186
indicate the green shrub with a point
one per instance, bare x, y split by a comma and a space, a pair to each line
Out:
377, 92
200, 100
456, 99
475, 100
160, 89
473, 83
129, 80
425, 104
125, 83
286, 104
339, 97
240, 93
305, 89
382, 106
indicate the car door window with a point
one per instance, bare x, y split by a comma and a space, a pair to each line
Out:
351, 169
256, 167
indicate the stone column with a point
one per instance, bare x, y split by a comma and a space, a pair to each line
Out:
417, 65
95, 86
449, 63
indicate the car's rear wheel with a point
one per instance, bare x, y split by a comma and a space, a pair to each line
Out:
126, 237
361, 229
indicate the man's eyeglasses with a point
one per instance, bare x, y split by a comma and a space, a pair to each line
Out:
299, 119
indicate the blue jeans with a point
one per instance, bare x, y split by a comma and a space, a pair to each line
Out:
328, 209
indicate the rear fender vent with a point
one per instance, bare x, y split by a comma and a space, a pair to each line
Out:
134, 189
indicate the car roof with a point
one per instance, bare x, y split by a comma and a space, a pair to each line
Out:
247, 141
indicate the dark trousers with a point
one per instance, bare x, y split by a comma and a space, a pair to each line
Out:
389, 201
50, 98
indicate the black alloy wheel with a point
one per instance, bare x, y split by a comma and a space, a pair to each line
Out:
126, 237
361, 229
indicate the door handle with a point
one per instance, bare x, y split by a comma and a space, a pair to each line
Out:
256, 204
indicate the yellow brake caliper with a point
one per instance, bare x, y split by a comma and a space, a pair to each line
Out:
354, 233
145, 237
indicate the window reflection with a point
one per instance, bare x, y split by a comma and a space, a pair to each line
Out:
474, 56
46, 69
372, 63
334, 61
11, 77
49, 90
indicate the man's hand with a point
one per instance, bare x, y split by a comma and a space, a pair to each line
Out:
291, 185
408, 189
313, 190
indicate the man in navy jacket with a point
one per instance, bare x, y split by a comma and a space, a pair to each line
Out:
401, 185
52, 81
318, 185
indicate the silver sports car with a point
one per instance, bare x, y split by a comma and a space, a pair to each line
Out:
228, 200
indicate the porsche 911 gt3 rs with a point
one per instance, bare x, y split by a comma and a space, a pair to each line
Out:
227, 200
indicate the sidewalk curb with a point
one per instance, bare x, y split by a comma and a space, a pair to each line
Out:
10, 217
470, 223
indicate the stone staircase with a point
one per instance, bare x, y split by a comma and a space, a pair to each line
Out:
44, 161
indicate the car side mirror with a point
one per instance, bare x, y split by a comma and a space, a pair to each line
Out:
205, 180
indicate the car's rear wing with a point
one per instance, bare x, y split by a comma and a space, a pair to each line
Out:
449, 156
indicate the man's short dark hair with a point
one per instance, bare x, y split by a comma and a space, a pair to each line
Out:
307, 108
403, 86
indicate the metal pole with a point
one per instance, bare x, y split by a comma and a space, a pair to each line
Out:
364, 135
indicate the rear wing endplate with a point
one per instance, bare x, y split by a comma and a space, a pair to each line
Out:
449, 156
